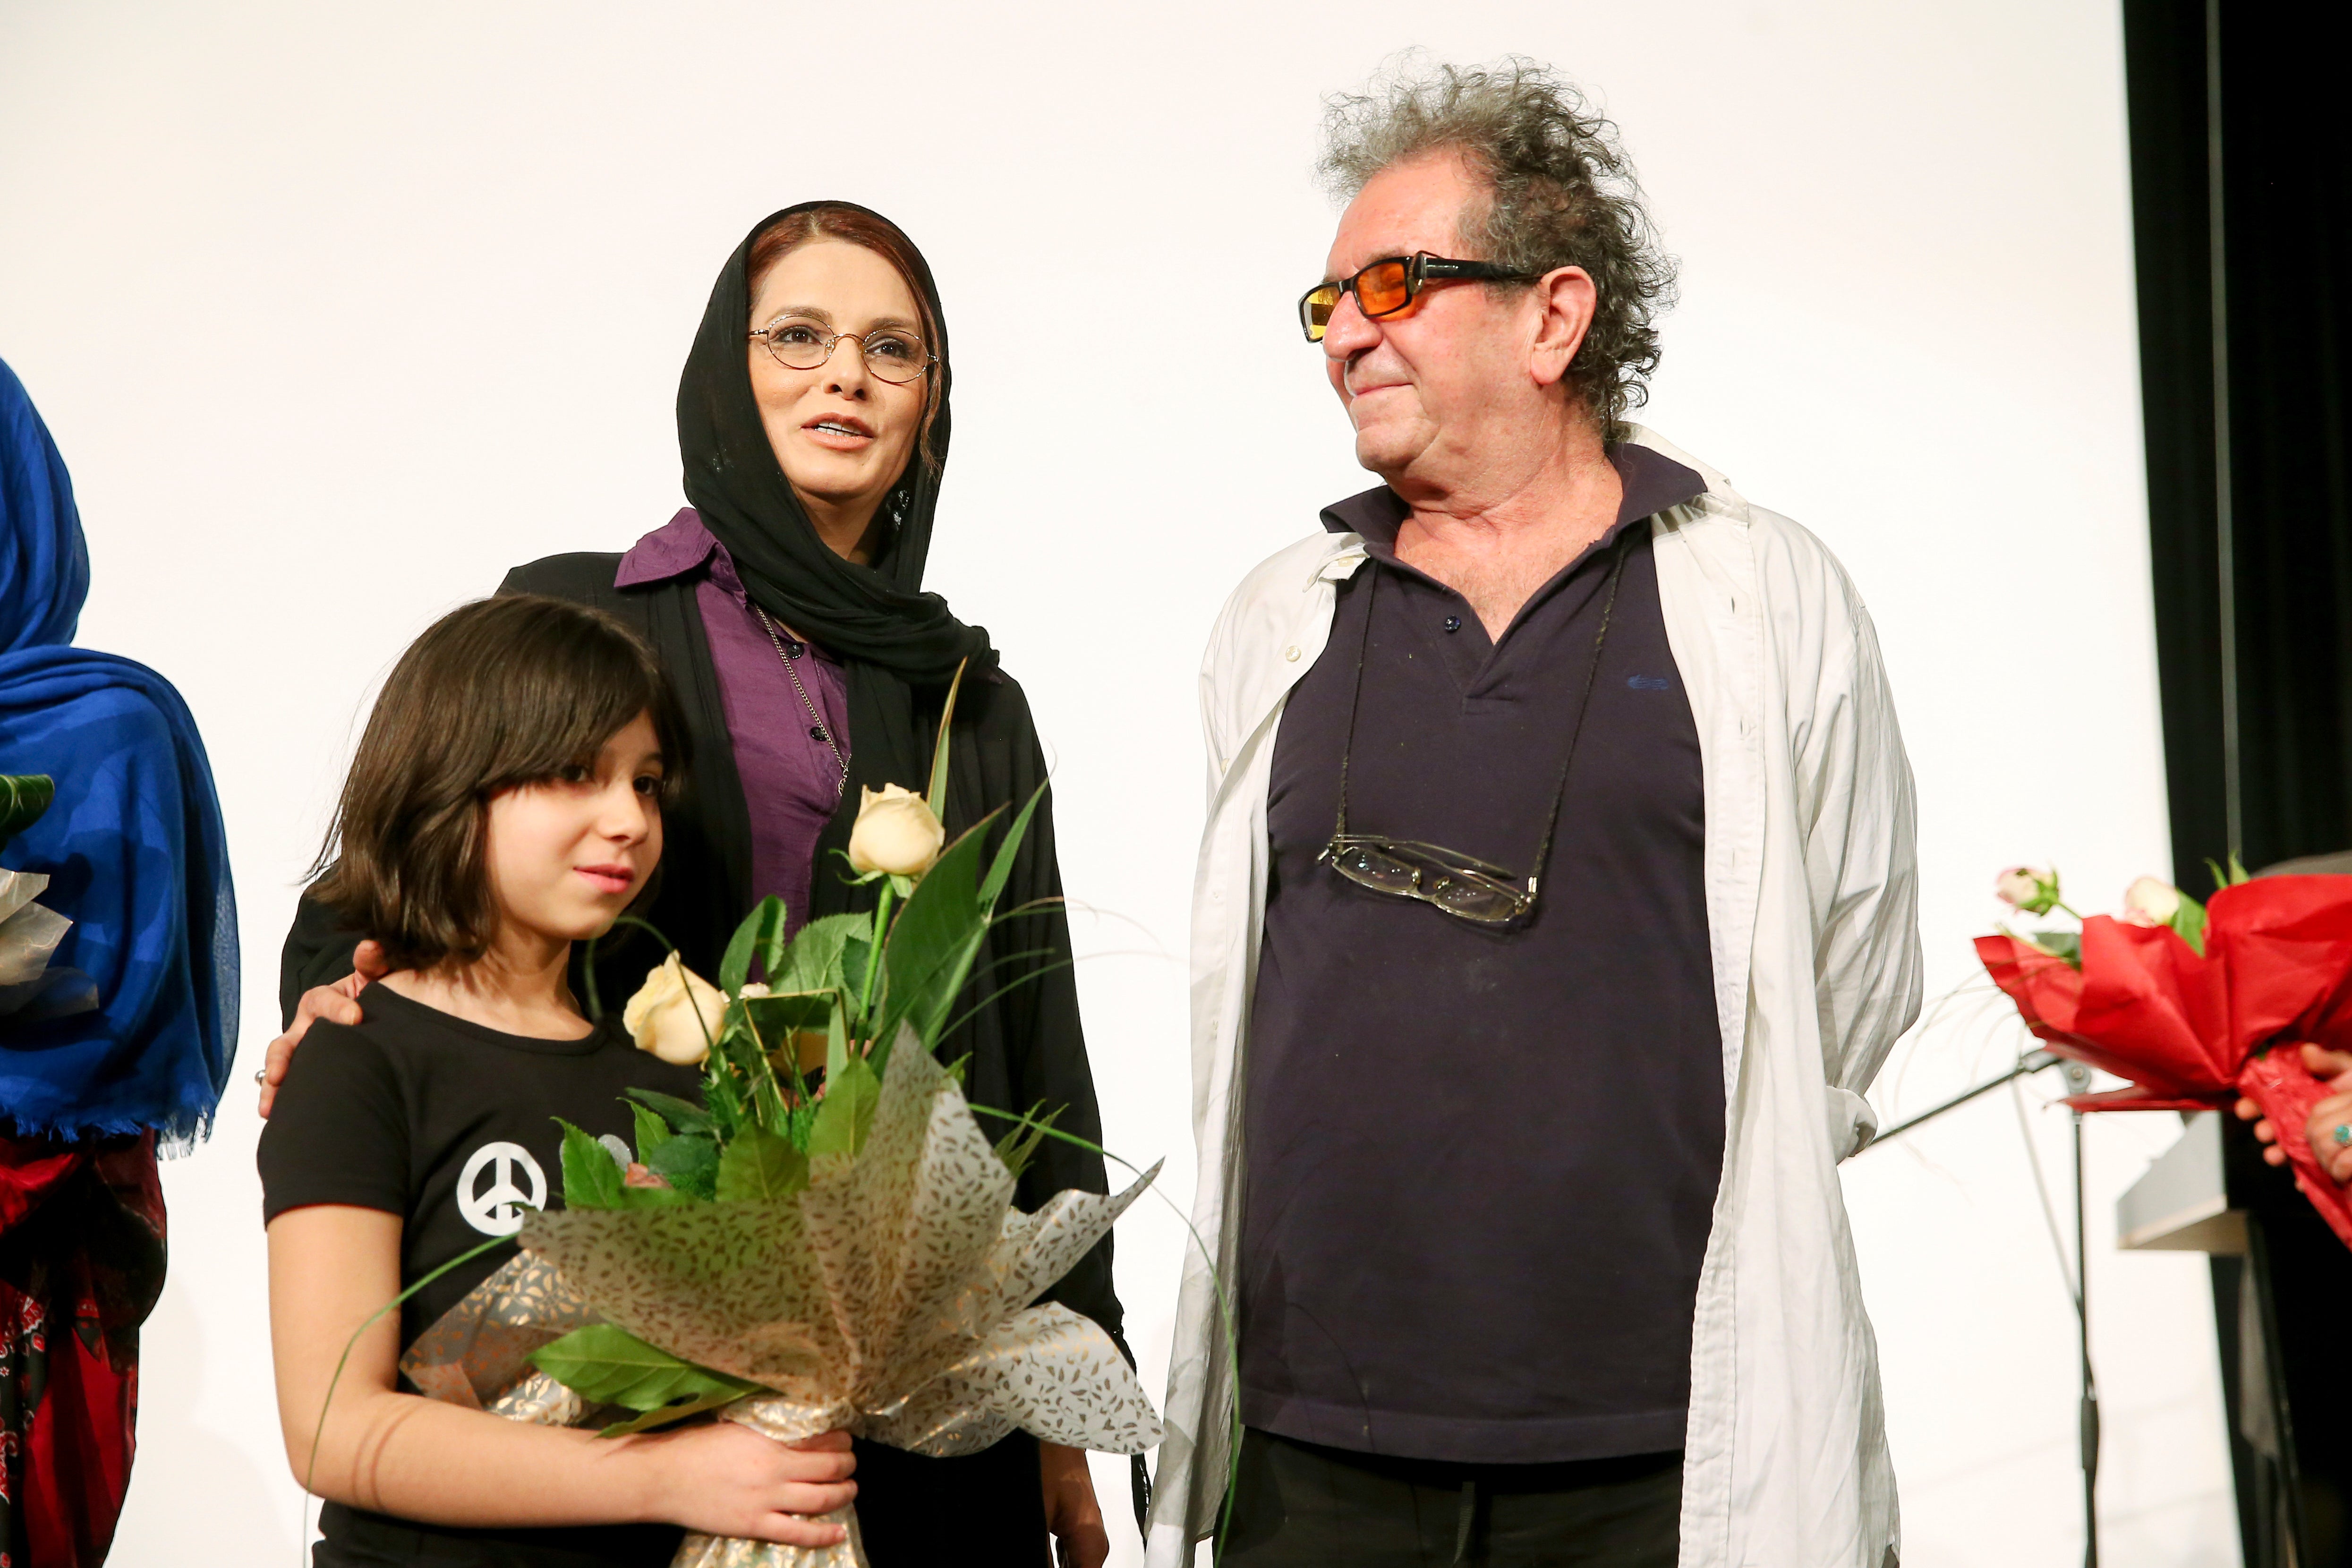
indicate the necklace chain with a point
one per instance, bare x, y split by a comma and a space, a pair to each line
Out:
792, 669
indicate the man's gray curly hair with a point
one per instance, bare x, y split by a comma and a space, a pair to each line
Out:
1562, 195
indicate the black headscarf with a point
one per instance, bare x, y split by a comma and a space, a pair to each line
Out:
891, 636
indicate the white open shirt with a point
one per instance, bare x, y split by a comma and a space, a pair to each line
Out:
1812, 900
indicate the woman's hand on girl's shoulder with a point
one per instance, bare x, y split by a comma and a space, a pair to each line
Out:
725, 1480
338, 1002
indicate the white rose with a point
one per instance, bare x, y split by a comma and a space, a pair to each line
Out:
894, 832
2150, 902
2018, 886
675, 1014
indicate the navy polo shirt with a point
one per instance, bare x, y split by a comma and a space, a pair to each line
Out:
1480, 1164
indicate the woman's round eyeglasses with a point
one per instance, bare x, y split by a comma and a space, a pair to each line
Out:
891, 354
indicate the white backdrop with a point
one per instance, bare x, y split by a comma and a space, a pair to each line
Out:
339, 311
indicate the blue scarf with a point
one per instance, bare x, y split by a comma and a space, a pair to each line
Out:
133, 844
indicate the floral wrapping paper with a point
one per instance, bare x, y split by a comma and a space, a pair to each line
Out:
891, 1298
30, 933
31, 987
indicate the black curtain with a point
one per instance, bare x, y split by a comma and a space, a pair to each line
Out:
2253, 614
2285, 196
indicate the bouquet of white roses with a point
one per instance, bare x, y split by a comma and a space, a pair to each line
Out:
828, 1241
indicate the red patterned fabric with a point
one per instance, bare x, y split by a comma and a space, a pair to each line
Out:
2194, 1032
81, 1262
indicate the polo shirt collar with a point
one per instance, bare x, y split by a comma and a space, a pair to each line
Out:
1651, 482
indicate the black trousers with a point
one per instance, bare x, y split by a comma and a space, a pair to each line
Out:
1299, 1505
977, 1510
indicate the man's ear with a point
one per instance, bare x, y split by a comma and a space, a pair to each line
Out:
1565, 296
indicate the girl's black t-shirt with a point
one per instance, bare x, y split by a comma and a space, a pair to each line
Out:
452, 1126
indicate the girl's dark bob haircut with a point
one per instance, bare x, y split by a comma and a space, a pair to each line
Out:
497, 694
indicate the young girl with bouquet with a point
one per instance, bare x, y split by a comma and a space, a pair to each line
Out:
505, 803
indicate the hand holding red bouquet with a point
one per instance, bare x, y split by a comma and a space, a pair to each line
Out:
2195, 1004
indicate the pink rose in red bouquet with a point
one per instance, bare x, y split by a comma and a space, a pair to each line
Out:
2200, 1009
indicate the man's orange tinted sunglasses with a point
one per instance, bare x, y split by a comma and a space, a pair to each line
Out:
1387, 286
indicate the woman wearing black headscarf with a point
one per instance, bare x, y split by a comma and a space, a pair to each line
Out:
786, 604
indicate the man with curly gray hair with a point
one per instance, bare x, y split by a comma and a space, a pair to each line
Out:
1558, 892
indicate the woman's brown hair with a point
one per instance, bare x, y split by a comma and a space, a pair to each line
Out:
497, 694
879, 234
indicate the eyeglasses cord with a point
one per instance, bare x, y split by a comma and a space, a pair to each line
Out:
1622, 548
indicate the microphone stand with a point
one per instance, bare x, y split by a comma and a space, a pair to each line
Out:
2078, 1081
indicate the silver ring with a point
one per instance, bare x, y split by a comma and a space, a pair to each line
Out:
261, 1076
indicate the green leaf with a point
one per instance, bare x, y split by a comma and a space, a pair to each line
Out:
652, 1131
836, 1041
932, 945
2046, 896
608, 1365
777, 1017
777, 1022
761, 934
682, 1115
667, 1415
735, 963
2230, 878
1020, 1146
725, 1098
938, 797
22, 798
591, 1180
760, 1166
932, 997
854, 955
2188, 921
846, 1111
1002, 871
774, 937
690, 1162
814, 962
740, 1066
2066, 944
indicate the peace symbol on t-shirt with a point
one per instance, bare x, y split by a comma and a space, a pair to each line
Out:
493, 1206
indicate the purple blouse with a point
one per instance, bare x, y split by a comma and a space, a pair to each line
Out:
791, 782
